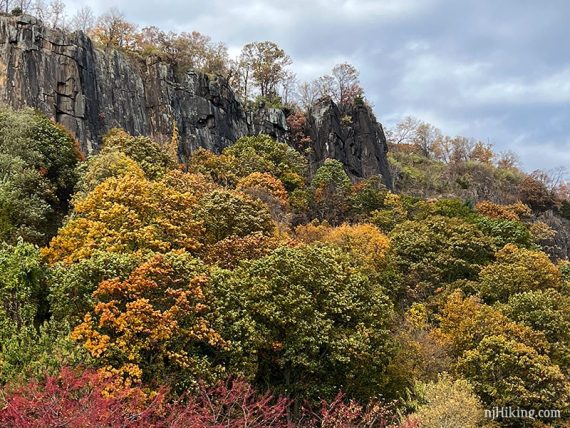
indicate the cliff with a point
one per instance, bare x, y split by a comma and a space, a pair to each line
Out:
351, 135
91, 90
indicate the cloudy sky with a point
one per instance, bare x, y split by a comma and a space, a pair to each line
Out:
497, 70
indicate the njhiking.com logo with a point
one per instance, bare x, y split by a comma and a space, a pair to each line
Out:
509, 412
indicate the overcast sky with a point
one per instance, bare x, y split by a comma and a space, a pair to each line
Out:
497, 70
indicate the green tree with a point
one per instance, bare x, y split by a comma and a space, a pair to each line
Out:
504, 372
437, 251
261, 153
547, 311
98, 168
29, 346
150, 155
330, 192
505, 231
71, 285
309, 320
21, 291
38, 160
367, 196
224, 213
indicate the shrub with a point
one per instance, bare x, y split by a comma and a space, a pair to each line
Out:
448, 403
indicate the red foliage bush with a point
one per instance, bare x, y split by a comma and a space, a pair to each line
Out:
342, 413
90, 400
75, 400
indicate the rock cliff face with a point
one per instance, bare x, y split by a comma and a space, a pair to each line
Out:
352, 136
559, 246
91, 90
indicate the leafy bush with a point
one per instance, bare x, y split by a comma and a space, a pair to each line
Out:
38, 160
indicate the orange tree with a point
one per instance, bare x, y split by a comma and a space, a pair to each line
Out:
364, 241
153, 325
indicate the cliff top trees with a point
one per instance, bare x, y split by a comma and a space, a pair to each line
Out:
83, 20
263, 64
342, 86
113, 30
186, 51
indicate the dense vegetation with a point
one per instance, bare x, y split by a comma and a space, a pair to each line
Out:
237, 290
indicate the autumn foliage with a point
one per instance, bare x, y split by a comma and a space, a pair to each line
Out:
151, 325
89, 399
128, 214
238, 289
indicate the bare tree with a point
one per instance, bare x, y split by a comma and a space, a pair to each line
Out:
557, 176
57, 14
83, 20
346, 83
5, 6
288, 86
113, 29
426, 138
404, 132
40, 9
507, 159
24, 6
325, 86
307, 94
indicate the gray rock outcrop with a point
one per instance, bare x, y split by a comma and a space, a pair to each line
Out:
351, 135
90, 90
559, 246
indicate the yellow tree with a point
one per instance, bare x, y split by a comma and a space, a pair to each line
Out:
517, 270
128, 214
364, 241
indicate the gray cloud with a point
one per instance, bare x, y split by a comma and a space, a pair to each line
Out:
495, 70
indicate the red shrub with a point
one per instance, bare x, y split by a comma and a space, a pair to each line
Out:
230, 404
89, 400
342, 413
74, 399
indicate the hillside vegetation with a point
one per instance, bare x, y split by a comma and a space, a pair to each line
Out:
236, 290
